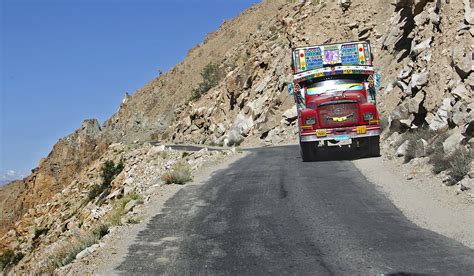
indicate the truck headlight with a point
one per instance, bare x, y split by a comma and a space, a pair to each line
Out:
368, 116
310, 121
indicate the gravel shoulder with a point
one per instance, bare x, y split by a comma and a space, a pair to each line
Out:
113, 248
422, 197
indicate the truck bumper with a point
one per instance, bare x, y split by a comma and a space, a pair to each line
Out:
344, 135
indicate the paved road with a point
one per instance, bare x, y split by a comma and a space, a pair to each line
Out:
271, 214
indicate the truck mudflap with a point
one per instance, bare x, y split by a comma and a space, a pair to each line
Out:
338, 135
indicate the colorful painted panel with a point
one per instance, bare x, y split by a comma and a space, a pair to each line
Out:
313, 58
331, 54
349, 54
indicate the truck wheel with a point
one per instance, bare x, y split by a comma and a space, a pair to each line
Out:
308, 151
368, 146
374, 146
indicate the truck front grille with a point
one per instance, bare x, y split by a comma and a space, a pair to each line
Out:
338, 114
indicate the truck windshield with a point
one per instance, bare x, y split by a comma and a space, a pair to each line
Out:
333, 86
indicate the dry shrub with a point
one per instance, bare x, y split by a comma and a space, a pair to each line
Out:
460, 163
179, 174
67, 254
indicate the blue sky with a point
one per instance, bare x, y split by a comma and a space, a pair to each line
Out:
63, 61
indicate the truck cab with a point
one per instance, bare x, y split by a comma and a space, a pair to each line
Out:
334, 90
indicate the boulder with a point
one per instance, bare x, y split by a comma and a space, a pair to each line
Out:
87, 251
453, 141
471, 172
421, 148
461, 92
130, 205
468, 16
290, 114
233, 138
470, 81
419, 80
461, 60
402, 149
420, 47
438, 121
263, 84
405, 72
468, 129
257, 106
404, 114
344, 4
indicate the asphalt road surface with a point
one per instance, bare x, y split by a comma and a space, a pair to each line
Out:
271, 214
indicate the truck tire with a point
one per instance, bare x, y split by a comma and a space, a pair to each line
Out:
374, 146
369, 146
308, 151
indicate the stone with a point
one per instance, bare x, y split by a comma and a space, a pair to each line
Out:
461, 92
467, 183
470, 81
434, 18
471, 172
468, 129
395, 32
438, 121
420, 19
344, 4
263, 84
234, 138
242, 124
420, 47
453, 141
402, 149
468, 16
395, 139
461, 60
290, 114
87, 251
403, 115
130, 205
419, 80
421, 148
405, 72
258, 105
116, 194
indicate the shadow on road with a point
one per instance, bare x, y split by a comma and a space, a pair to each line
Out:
339, 153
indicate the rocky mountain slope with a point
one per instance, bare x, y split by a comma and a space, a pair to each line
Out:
422, 48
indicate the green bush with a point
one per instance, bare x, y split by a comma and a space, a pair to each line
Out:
179, 174
115, 215
39, 231
9, 258
211, 75
108, 172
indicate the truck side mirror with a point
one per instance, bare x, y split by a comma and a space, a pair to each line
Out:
291, 89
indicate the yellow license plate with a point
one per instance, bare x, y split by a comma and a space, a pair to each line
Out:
321, 132
361, 129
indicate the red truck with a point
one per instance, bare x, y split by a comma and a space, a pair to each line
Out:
334, 86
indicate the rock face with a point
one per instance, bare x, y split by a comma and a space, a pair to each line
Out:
421, 48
